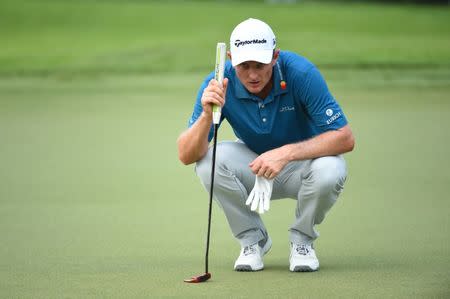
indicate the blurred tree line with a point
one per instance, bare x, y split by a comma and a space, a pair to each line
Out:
446, 2
431, 2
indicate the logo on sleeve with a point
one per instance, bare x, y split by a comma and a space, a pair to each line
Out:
332, 117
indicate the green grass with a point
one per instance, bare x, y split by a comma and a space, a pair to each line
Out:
46, 37
95, 204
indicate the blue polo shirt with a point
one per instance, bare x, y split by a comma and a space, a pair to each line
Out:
304, 109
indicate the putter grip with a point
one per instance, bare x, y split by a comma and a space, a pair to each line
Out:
218, 75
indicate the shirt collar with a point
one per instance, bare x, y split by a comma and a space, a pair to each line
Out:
277, 74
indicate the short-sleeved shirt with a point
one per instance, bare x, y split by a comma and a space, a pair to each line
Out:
304, 109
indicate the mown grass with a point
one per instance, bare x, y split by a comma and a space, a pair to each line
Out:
46, 37
94, 203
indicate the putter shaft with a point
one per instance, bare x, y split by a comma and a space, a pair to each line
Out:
213, 167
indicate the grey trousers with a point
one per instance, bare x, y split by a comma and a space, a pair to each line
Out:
315, 184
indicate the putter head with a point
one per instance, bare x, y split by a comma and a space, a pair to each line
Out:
198, 279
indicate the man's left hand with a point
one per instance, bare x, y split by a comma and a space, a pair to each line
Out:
270, 163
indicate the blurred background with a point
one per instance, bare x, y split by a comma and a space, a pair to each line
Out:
94, 202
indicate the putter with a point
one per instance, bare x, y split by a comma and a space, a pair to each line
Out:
219, 73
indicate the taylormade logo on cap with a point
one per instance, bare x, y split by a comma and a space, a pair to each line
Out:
252, 40
238, 43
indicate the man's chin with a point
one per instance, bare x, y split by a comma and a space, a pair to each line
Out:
254, 90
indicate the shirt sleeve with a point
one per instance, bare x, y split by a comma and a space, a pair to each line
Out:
320, 105
198, 109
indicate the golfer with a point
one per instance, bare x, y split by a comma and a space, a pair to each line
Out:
291, 134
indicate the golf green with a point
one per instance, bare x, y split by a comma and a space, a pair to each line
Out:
95, 204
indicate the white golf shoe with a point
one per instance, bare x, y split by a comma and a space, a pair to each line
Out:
303, 258
251, 257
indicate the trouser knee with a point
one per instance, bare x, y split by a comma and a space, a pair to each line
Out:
203, 169
328, 174
228, 161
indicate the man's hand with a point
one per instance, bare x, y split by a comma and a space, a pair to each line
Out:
260, 195
270, 163
193, 143
214, 94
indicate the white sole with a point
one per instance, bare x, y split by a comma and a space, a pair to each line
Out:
247, 268
303, 269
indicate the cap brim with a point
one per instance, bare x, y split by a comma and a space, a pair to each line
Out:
263, 56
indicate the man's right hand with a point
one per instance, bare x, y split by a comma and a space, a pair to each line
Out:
193, 143
213, 94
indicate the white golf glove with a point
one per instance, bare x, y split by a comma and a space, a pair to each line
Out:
260, 195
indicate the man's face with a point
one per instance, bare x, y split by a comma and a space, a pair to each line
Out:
256, 77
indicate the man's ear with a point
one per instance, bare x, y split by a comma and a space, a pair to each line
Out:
229, 54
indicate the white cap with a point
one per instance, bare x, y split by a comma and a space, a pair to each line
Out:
252, 40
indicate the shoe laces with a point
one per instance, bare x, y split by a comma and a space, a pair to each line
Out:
250, 249
302, 249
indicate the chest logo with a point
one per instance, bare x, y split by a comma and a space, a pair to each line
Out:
287, 108
329, 112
